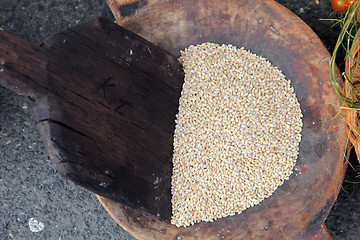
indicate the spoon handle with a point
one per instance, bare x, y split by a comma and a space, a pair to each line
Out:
23, 66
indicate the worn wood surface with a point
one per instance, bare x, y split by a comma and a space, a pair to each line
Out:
298, 208
105, 103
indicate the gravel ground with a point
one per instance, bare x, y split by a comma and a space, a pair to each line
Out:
30, 187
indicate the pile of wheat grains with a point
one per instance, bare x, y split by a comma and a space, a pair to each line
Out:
237, 133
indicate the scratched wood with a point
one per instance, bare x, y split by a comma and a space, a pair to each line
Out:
105, 103
298, 208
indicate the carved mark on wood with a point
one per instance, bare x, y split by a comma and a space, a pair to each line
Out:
105, 85
123, 103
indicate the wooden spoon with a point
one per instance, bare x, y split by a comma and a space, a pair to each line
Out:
105, 104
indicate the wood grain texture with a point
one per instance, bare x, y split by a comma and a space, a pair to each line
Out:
299, 207
106, 101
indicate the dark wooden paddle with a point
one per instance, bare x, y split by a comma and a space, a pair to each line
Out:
105, 104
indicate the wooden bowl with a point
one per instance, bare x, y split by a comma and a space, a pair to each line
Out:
299, 207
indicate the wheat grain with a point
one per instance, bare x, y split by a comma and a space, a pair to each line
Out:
237, 133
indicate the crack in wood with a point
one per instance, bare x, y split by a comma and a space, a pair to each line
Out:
136, 125
61, 124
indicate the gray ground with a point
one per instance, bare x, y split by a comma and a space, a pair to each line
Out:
29, 184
